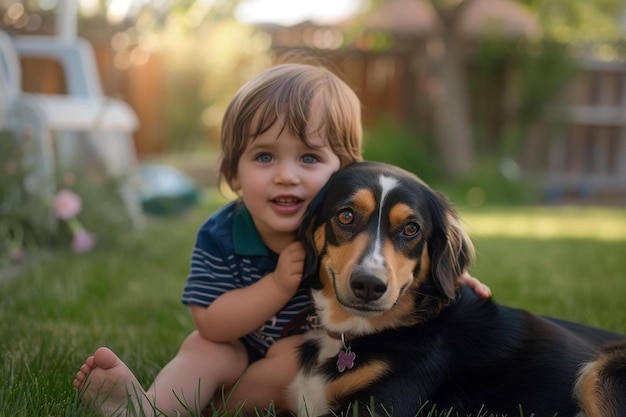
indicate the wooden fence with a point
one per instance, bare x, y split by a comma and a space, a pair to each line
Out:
580, 149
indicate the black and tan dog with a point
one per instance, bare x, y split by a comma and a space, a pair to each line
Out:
384, 253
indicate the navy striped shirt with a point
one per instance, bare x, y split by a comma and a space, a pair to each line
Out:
229, 253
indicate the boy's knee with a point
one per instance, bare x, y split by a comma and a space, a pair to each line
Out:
284, 348
194, 340
196, 344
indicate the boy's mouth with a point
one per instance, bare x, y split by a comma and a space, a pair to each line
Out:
287, 201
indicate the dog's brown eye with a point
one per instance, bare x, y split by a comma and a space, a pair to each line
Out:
345, 216
411, 229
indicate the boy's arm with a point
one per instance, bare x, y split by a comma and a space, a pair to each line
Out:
242, 311
479, 288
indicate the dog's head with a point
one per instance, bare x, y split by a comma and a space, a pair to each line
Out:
383, 249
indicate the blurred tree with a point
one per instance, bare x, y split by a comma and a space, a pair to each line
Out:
572, 21
451, 111
208, 55
204, 55
563, 21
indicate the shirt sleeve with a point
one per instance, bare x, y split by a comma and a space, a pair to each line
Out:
211, 271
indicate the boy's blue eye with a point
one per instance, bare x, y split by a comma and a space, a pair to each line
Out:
309, 159
265, 157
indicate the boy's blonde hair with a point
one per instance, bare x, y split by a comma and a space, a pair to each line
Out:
286, 93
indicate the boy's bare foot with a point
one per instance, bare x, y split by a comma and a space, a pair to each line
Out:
106, 383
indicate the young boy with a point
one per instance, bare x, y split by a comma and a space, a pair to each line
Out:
284, 133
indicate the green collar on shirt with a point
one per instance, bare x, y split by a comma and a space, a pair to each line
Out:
246, 238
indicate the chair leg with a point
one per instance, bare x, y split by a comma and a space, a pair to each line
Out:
39, 159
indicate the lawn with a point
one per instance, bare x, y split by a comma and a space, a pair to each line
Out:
566, 262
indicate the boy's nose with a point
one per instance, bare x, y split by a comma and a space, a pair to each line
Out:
286, 173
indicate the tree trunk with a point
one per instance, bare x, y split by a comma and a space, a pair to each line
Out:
451, 112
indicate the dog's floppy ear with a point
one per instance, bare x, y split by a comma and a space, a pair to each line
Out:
306, 235
450, 249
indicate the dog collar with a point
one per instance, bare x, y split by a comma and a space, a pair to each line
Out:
346, 357
344, 337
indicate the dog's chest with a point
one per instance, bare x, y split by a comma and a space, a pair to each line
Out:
308, 390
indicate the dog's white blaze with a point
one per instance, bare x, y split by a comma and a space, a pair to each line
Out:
376, 258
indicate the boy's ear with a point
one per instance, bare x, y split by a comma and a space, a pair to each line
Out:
234, 184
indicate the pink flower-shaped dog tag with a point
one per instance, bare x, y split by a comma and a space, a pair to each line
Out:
345, 360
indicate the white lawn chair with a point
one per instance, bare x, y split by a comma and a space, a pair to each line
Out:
58, 131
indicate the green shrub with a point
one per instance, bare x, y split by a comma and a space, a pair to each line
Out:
494, 180
389, 142
29, 225
26, 222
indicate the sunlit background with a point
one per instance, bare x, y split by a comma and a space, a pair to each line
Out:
528, 110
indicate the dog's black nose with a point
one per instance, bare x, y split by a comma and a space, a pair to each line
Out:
367, 287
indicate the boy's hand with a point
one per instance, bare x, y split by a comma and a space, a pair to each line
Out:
479, 288
288, 271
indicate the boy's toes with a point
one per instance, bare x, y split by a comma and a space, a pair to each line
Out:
107, 384
104, 358
89, 362
83, 372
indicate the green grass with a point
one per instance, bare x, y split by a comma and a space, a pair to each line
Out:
58, 310
562, 262
567, 262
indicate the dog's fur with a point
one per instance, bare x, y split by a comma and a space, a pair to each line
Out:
383, 254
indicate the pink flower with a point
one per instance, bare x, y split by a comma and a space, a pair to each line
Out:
66, 204
83, 241
17, 255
